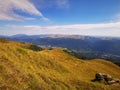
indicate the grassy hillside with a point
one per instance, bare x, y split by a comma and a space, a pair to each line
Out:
23, 67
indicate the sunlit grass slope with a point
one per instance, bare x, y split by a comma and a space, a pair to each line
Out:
23, 68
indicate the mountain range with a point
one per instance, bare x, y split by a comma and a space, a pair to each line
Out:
86, 47
24, 66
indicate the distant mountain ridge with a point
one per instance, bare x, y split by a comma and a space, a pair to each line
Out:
83, 46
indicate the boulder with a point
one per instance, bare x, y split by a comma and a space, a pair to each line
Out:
108, 79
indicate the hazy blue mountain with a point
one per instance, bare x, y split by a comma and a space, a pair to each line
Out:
82, 46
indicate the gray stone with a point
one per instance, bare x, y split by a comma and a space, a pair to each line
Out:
108, 79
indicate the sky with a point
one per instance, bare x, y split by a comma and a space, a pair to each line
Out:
79, 17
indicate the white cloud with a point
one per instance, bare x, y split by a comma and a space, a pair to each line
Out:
104, 29
7, 8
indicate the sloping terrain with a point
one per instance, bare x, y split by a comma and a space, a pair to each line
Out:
84, 46
24, 67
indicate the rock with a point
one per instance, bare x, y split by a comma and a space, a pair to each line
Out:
106, 78
114, 81
99, 76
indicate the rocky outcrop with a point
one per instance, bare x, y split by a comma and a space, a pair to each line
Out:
106, 78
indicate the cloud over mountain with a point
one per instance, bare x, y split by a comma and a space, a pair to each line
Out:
101, 29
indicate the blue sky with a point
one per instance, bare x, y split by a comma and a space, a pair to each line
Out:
83, 17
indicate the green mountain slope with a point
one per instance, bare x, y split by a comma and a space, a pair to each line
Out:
25, 68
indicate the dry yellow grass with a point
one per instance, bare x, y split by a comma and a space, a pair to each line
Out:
24, 69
